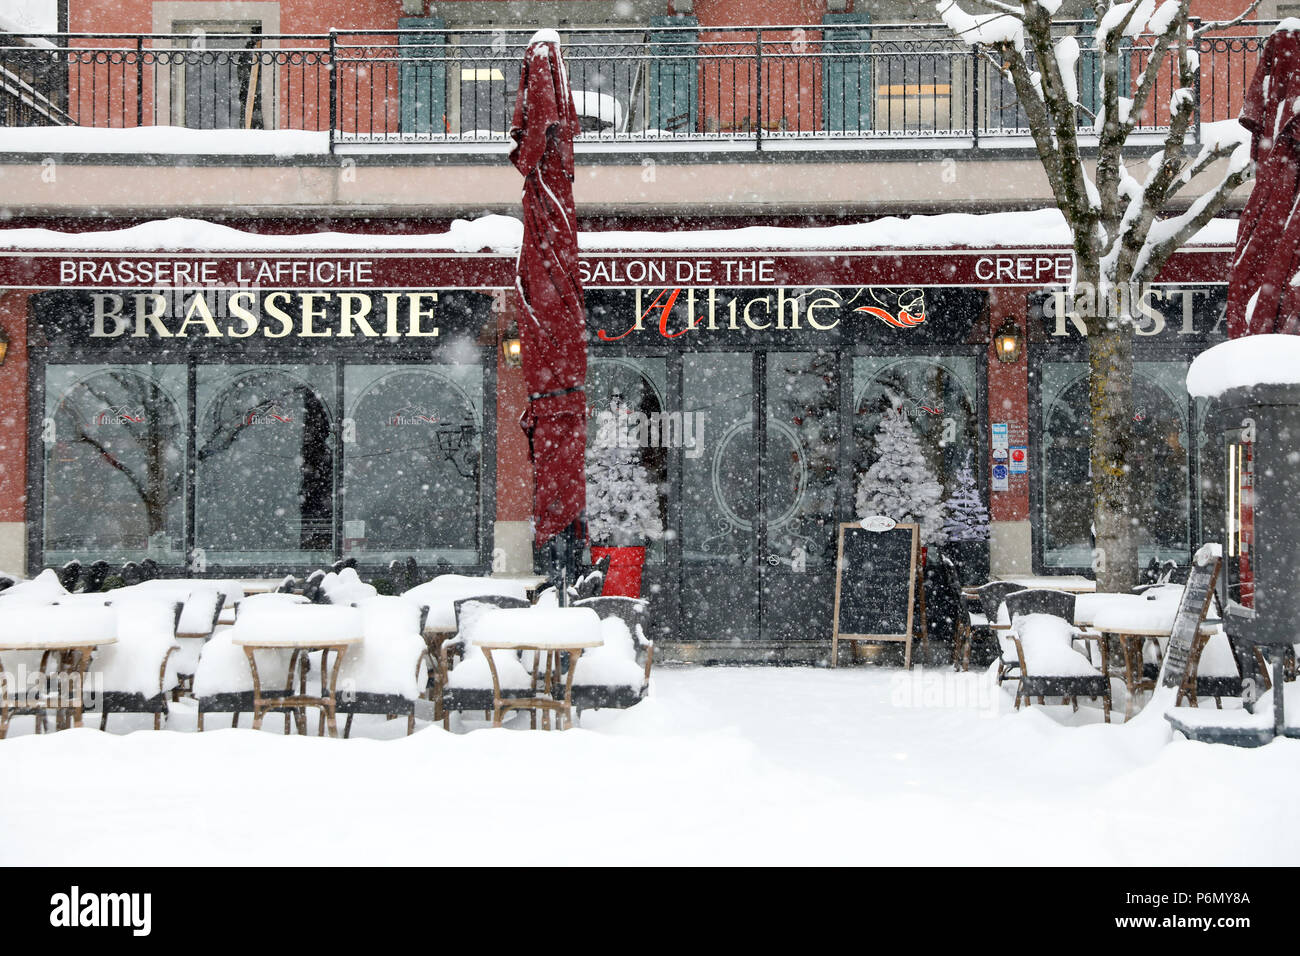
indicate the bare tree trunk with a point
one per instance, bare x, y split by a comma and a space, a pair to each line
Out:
1110, 363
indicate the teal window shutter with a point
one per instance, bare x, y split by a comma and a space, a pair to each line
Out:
422, 83
846, 79
1090, 69
672, 85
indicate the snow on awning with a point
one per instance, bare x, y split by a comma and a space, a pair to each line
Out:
1043, 228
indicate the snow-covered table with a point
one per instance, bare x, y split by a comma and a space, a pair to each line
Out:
72, 653
301, 644
552, 632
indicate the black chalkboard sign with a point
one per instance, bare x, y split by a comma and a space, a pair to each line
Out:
875, 585
1187, 622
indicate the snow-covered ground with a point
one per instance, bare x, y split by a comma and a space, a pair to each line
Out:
721, 765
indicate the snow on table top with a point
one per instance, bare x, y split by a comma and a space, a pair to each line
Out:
53, 625
1243, 363
442, 593
539, 627
307, 625
1154, 609
42, 589
1041, 228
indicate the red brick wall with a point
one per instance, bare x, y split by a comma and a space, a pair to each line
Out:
514, 471
13, 408
1008, 400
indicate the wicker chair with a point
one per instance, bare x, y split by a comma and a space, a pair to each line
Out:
969, 619
133, 639
635, 613
462, 698
990, 597
376, 614
1042, 674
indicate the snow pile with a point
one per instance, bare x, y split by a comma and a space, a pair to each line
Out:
346, 587
165, 140
598, 106
1217, 659
441, 594
29, 16
1245, 363
1047, 641
487, 233
613, 664
42, 589
1039, 228
987, 28
145, 633
473, 672
389, 660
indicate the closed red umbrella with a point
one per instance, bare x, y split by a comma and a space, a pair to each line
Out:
552, 328
1262, 292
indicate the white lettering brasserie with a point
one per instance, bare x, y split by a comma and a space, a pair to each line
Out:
239, 314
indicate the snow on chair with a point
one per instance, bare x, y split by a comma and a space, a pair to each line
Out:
610, 676
1049, 664
468, 685
223, 682
346, 587
39, 635
135, 675
1212, 669
384, 674
991, 596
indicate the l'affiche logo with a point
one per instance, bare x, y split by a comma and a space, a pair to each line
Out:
673, 312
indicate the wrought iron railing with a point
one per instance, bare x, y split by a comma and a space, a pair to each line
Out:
841, 84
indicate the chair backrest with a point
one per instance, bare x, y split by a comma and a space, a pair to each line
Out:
992, 595
312, 589
631, 611
603, 565
148, 570
93, 577
948, 568
342, 563
6, 582
69, 575
589, 585
288, 585
131, 573
495, 600
1041, 601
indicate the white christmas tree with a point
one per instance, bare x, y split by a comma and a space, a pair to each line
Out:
968, 519
622, 501
899, 484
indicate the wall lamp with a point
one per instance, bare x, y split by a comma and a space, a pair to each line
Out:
4, 346
1007, 341
512, 349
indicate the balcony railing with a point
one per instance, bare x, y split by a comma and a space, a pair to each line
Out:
846, 85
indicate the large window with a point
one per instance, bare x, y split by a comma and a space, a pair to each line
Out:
637, 386
114, 442
1159, 465
938, 394
412, 451
264, 479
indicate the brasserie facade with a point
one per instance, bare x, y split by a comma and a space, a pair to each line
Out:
273, 408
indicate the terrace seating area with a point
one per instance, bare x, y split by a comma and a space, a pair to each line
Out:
327, 647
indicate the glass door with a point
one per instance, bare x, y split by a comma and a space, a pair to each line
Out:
758, 497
